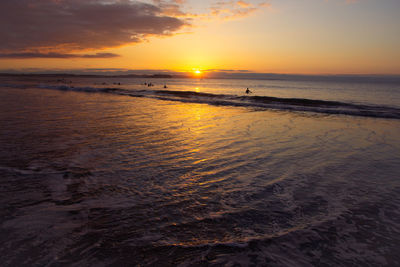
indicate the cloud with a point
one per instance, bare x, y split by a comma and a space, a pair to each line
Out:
172, 7
70, 28
226, 70
27, 55
216, 9
232, 9
63, 26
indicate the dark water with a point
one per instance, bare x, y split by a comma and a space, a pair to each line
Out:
93, 179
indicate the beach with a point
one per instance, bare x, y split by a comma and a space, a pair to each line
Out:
107, 174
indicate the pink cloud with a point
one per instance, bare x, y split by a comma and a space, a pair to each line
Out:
229, 10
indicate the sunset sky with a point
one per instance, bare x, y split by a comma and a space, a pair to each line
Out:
276, 36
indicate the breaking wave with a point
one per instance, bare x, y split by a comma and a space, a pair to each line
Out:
267, 102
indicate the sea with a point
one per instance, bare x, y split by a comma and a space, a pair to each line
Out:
116, 171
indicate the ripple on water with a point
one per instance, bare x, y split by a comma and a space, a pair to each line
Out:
241, 186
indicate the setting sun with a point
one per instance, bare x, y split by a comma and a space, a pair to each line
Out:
197, 73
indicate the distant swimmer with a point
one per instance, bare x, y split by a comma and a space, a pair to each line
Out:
248, 91
165, 86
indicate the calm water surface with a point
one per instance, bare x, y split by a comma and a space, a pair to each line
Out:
109, 179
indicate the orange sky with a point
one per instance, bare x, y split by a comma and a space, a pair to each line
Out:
311, 37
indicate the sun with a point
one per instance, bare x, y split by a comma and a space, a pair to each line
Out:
197, 73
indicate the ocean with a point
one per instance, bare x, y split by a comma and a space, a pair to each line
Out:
110, 171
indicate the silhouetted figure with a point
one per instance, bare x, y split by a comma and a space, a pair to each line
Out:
165, 86
248, 91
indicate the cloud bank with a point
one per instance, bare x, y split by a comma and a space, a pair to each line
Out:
55, 55
52, 27
70, 28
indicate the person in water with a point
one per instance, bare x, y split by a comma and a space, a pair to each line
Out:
248, 91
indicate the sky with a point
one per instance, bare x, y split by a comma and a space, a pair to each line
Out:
273, 36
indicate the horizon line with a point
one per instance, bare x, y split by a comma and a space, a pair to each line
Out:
205, 73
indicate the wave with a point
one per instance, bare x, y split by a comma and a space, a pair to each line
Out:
267, 102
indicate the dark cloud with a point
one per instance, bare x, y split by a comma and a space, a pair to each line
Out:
27, 55
63, 26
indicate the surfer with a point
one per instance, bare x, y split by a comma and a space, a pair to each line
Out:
248, 91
